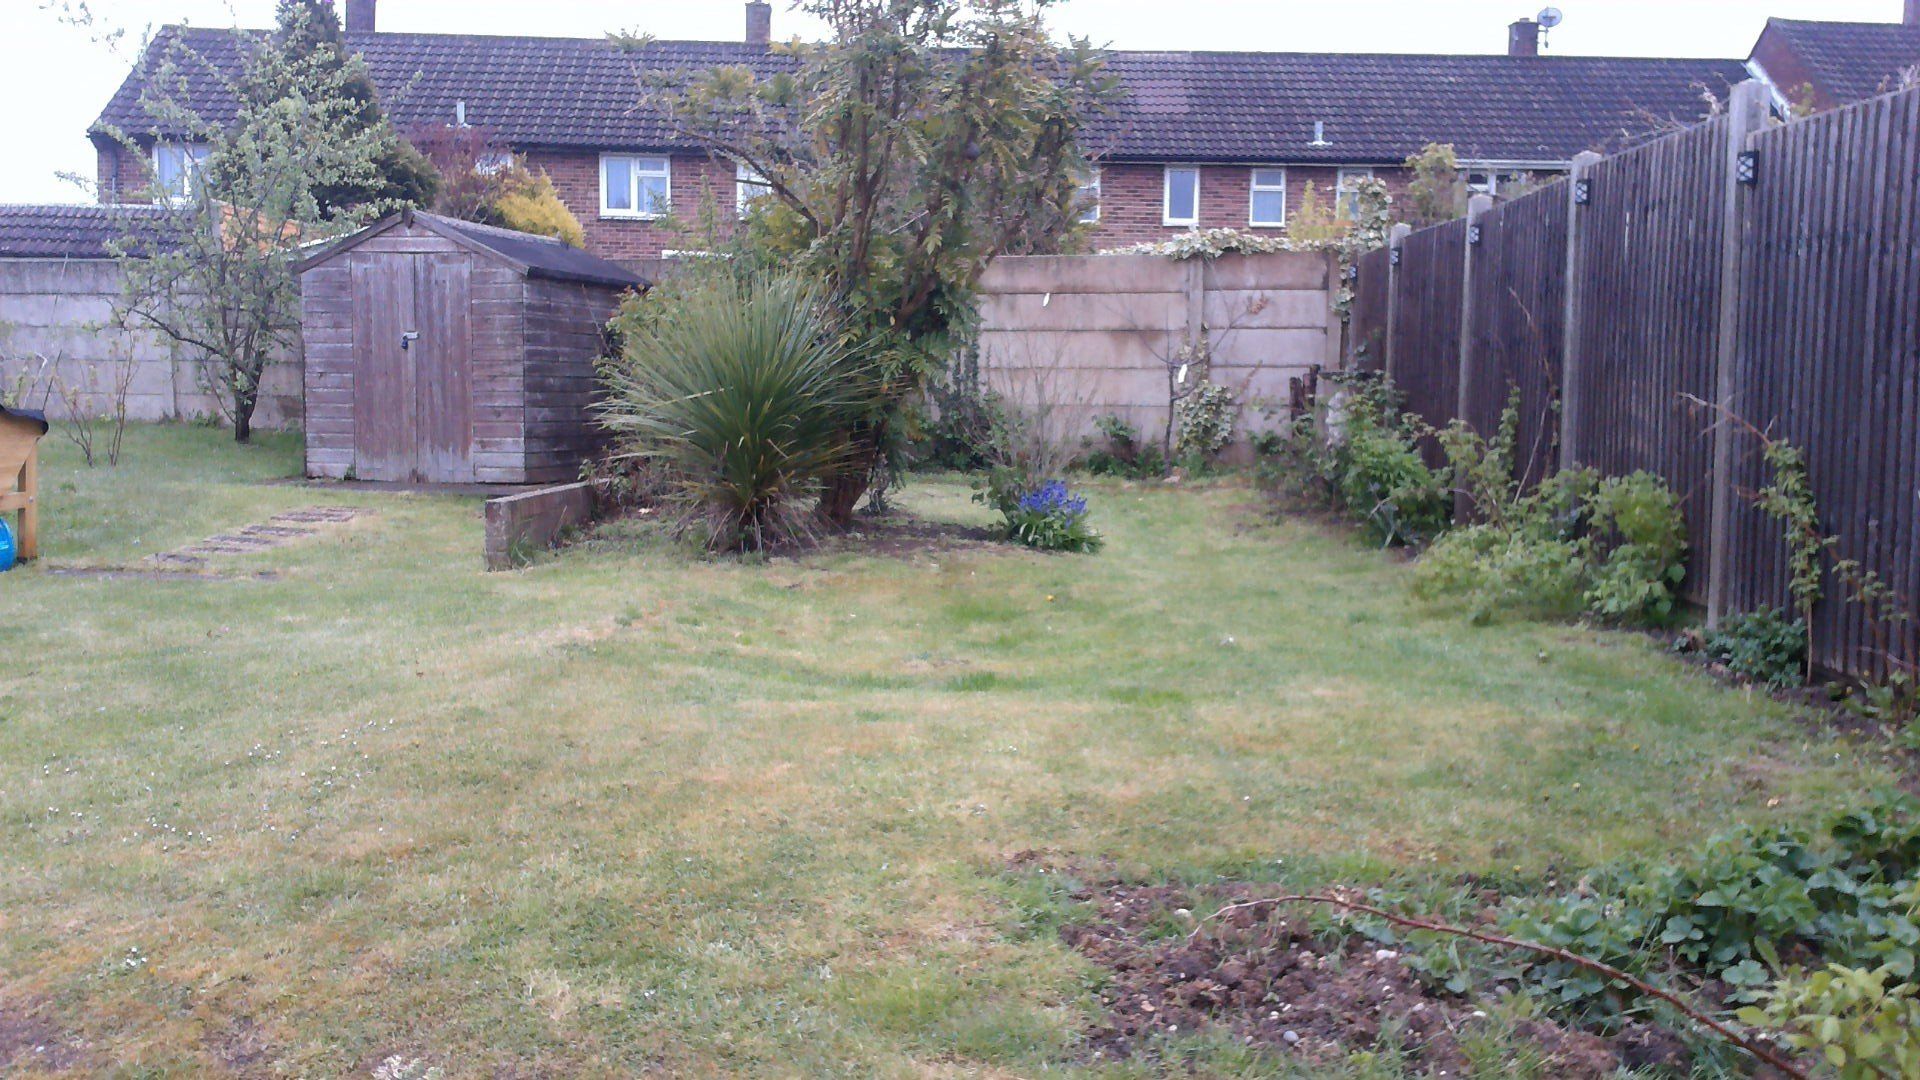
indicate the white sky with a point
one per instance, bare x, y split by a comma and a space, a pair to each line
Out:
54, 79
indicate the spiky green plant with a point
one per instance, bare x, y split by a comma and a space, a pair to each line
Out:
743, 391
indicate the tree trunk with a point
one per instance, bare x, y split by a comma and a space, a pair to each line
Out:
243, 406
841, 497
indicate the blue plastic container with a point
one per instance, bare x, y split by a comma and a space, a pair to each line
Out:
6, 546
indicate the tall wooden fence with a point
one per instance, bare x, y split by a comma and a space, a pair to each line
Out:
1516, 326
1738, 268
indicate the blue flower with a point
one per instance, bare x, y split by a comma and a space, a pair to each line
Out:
1054, 498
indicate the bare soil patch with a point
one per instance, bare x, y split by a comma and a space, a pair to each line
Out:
28, 1043
1271, 981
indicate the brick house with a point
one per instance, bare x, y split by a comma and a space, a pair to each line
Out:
1198, 140
1824, 65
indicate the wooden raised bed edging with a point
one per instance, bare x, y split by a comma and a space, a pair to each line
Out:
537, 519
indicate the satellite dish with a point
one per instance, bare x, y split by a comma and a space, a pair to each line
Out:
1550, 17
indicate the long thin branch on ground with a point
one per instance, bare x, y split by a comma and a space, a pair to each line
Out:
1752, 1046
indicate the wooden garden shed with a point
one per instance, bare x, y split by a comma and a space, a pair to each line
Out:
441, 351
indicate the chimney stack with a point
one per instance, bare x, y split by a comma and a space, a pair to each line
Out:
1523, 37
360, 16
1913, 12
760, 23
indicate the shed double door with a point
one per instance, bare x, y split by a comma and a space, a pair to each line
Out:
413, 372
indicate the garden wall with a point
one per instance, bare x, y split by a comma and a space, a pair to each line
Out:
1080, 337
53, 320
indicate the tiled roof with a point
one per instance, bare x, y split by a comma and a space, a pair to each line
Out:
1380, 108
543, 256
540, 256
70, 232
584, 93
1848, 60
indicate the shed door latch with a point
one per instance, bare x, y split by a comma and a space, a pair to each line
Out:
407, 339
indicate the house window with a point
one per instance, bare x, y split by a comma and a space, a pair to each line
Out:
635, 187
1087, 197
1346, 197
748, 186
174, 167
492, 163
1182, 205
1269, 203
1488, 182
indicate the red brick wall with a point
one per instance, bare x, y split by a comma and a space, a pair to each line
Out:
120, 175
1790, 74
703, 196
1132, 199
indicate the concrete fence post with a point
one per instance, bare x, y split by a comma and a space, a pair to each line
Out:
1572, 413
1395, 237
1477, 208
1746, 115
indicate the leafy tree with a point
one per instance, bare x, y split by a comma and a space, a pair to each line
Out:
213, 273
481, 180
1437, 193
1314, 221
923, 138
308, 33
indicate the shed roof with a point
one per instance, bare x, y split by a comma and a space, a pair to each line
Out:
28, 416
535, 256
586, 94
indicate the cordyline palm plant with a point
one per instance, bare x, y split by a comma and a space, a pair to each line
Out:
743, 391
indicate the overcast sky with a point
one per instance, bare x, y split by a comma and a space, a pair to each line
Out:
54, 79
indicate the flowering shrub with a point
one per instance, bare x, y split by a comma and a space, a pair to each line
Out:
1052, 518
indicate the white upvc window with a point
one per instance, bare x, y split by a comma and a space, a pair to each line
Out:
1087, 196
633, 186
175, 165
1181, 204
748, 187
1346, 196
493, 163
1267, 205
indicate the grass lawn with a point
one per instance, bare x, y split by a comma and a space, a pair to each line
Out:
633, 810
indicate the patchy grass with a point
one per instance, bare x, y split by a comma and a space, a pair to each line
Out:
629, 810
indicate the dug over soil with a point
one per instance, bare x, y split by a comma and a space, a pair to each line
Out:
1264, 977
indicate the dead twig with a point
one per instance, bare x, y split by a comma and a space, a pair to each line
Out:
1754, 1047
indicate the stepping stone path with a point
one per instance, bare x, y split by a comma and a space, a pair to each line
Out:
278, 530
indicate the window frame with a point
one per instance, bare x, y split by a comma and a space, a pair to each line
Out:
1166, 197
193, 156
1342, 193
1255, 188
745, 178
1089, 182
637, 212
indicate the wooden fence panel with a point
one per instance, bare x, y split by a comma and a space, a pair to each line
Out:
1426, 322
1518, 313
1829, 359
1367, 317
1650, 269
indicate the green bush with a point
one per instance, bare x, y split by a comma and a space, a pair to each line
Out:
1762, 646
1752, 902
1123, 453
1576, 543
1375, 469
1205, 424
1640, 540
743, 391
1052, 518
1858, 1024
